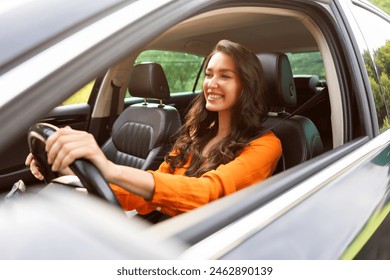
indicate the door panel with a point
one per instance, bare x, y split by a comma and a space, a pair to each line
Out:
358, 189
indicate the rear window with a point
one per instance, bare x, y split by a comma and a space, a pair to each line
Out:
181, 69
308, 63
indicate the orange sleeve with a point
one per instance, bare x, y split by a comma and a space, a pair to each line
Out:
175, 194
130, 201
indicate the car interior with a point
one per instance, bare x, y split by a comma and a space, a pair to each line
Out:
121, 98
317, 128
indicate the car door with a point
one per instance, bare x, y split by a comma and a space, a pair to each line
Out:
74, 112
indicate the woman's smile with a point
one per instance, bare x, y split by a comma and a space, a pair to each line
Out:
214, 96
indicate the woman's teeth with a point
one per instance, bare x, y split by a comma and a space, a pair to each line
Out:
215, 96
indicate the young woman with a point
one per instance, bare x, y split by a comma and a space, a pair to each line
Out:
216, 152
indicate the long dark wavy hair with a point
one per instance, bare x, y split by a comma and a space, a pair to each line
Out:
201, 125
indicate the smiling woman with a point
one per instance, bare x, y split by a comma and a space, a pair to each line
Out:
216, 141
234, 96
221, 87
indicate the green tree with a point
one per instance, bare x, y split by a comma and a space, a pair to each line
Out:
382, 4
381, 87
382, 58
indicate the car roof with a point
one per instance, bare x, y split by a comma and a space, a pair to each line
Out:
32, 35
253, 27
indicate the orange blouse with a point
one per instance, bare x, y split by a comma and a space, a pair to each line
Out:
175, 193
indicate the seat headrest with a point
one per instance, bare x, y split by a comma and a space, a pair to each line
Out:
148, 80
279, 79
306, 83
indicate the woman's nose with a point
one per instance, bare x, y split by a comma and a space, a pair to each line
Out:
213, 83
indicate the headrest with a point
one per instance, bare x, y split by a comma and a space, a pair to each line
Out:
148, 80
306, 83
279, 79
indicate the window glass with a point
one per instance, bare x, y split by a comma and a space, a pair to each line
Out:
181, 69
376, 31
81, 96
309, 63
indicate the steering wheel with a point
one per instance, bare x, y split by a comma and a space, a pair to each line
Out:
89, 174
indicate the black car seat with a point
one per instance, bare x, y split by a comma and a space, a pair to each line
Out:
309, 87
306, 86
300, 138
141, 134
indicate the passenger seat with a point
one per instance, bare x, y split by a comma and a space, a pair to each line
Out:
300, 138
309, 87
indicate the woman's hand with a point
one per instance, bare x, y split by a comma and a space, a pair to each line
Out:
66, 145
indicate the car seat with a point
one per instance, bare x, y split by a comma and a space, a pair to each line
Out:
309, 87
141, 134
300, 138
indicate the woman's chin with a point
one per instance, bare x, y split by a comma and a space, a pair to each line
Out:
212, 107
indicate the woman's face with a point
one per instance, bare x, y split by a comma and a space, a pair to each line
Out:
221, 85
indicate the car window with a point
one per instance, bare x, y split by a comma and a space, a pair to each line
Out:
181, 69
376, 31
307, 63
80, 96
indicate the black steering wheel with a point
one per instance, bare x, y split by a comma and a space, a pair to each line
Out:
89, 175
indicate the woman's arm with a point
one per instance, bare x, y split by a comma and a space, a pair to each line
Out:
66, 145
169, 193
175, 194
